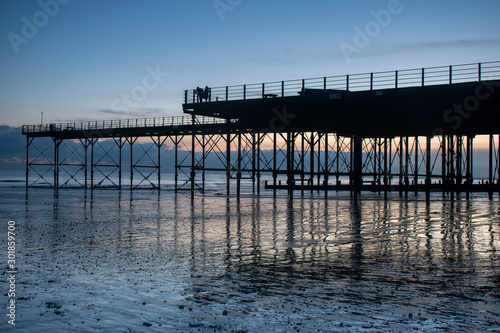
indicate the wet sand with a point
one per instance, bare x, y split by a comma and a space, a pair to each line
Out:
141, 262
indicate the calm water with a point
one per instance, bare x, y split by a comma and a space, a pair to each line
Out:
108, 260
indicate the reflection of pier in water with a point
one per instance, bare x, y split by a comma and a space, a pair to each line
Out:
373, 255
311, 259
403, 243
348, 237
403, 131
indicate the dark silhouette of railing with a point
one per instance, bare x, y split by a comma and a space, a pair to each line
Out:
121, 124
418, 77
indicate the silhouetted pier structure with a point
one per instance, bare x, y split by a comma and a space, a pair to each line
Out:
404, 131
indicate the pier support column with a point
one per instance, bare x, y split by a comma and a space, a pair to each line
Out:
357, 174
337, 164
254, 161
490, 168
28, 144
238, 172
318, 161
389, 167
459, 159
376, 163
260, 138
192, 175
228, 160
302, 161
428, 169
443, 165
326, 166
311, 160
57, 144
386, 171
401, 170
416, 165
92, 143
290, 138
120, 145
275, 164
451, 166
203, 159
469, 162
85, 143
132, 141
407, 165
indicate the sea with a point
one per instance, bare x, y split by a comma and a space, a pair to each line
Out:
109, 260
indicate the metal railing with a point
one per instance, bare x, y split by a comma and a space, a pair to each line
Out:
357, 82
121, 124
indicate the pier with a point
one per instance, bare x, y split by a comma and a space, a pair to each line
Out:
405, 131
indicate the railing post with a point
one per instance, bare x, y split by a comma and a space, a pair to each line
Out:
371, 81
423, 77
347, 83
324, 83
227, 93
451, 74
303, 84
245, 91
263, 90
396, 80
479, 71
282, 88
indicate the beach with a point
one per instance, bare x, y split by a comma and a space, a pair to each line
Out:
157, 261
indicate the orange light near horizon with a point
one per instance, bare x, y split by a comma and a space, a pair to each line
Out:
480, 143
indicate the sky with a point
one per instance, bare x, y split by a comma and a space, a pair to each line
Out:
79, 60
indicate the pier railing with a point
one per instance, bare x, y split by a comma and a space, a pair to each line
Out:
121, 123
418, 77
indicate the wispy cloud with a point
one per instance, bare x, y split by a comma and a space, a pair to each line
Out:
299, 57
107, 114
12, 160
138, 112
445, 44
378, 49
113, 112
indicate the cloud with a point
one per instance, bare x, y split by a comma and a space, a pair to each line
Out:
438, 45
113, 112
384, 49
142, 112
11, 160
12, 147
287, 57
